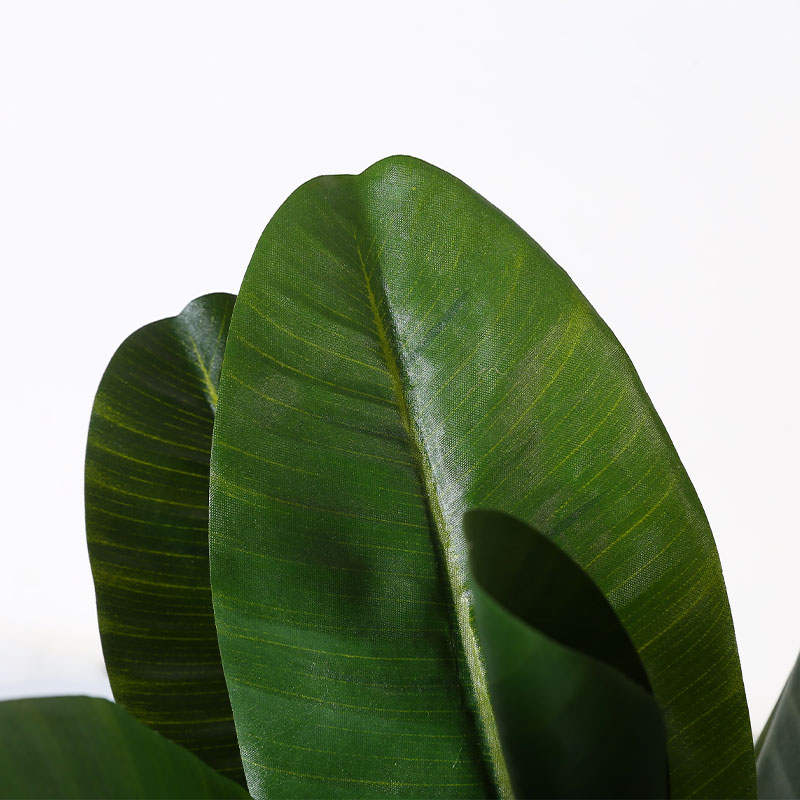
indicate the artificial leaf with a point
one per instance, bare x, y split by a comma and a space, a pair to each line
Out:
778, 747
87, 747
401, 352
147, 465
574, 708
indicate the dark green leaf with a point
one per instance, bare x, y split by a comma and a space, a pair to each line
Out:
402, 352
778, 748
147, 465
85, 747
574, 709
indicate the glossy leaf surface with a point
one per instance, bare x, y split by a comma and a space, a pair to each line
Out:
86, 747
778, 748
401, 352
574, 709
147, 465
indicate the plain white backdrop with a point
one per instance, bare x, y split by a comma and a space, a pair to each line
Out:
652, 148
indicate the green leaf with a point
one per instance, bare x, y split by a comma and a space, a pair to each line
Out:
147, 464
574, 708
402, 352
86, 747
778, 747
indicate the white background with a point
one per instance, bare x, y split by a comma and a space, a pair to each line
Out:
652, 148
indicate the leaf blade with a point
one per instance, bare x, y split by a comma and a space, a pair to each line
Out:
87, 747
506, 390
777, 748
147, 465
575, 711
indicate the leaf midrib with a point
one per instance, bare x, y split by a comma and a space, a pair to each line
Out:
487, 724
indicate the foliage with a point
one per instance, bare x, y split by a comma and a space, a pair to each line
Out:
78, 747
147, 463
419, 533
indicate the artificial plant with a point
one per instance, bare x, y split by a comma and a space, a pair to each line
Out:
401, 519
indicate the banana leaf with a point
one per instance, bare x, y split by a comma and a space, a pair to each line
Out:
147, 477
778, 746
400, 353
574, 707
87, 747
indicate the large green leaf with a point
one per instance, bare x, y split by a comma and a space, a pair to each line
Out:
147, 464
778, 747
401, 352
86, 747
574, 708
